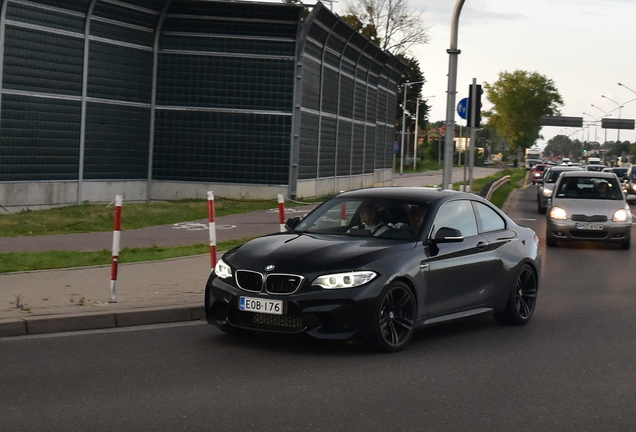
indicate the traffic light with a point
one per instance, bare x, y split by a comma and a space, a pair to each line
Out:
478, 92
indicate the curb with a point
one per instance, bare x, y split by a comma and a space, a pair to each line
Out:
94, 321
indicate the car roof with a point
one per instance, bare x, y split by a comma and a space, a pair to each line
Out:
590, 174
566, 168
408, 193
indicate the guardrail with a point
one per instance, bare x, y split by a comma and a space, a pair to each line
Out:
496, 185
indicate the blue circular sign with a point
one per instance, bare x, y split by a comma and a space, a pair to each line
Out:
462, 108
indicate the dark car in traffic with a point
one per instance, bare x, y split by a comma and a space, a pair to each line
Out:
545, 186
621, 172
374, 265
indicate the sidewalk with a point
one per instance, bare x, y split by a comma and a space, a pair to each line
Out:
172, 290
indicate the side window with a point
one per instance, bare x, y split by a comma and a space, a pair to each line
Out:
489, 220
458, 215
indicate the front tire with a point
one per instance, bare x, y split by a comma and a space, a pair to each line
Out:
549, 241
522, 299
394, 321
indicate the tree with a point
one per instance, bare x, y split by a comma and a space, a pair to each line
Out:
558, 146
519, 101
412, 73
391, 24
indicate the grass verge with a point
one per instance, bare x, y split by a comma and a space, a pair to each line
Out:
499, 196
84, 218
28, 261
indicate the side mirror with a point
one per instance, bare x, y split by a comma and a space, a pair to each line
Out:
448, 235
292, 223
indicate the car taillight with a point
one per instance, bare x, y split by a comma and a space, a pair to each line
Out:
536, 240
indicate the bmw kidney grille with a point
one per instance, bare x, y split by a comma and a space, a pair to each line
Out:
275, 283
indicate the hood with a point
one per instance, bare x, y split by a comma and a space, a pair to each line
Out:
300, 253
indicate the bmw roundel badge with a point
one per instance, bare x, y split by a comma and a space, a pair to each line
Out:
270, 267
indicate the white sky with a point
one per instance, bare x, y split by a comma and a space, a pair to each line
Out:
585, 46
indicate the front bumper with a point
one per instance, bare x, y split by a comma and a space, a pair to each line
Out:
612, 232
340, 314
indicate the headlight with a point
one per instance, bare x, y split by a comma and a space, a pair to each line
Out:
620, 215
547, 192
222, 270
344, 280
558, 213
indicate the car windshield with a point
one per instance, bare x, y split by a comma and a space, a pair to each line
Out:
383, 218
589, 188
552, 176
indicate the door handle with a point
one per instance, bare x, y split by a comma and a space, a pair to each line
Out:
423, 265
482, 245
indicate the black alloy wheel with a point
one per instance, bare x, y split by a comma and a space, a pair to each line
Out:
522, 300
395, 320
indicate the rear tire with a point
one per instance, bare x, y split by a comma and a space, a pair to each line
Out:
522, 299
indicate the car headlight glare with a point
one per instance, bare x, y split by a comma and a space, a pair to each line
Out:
558, 213
344, 280
222, 270
620, 216
547, 193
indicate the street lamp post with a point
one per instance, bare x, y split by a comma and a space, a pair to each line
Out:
606, 115
451, 90
417, 116
405, 85
618, 134
623, 85
595, 126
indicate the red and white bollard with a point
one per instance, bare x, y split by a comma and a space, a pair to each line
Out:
212, 228
343, 214
114, 262
281, 212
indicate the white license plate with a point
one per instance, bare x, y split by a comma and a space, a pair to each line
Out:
253, 304
588, 226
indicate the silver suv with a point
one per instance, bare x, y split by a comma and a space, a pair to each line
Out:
546, 186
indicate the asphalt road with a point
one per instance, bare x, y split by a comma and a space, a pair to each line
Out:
570, 369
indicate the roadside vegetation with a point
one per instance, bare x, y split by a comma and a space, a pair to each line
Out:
84, 218
99, 217
517, 179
